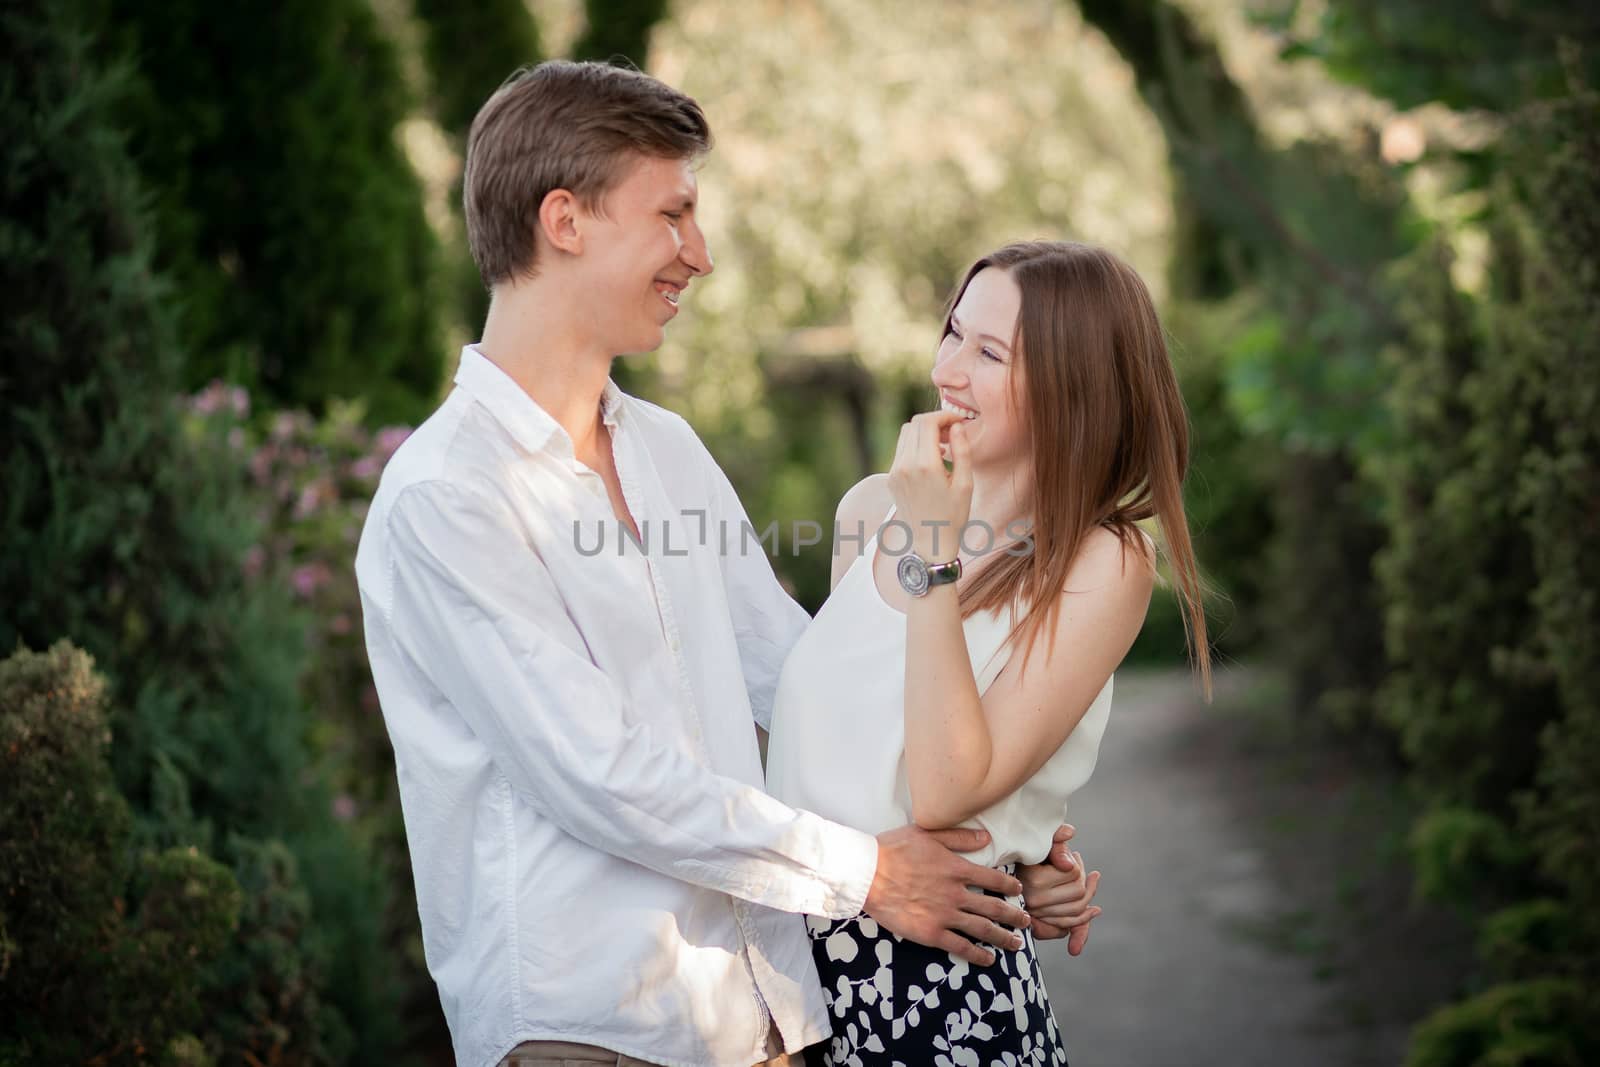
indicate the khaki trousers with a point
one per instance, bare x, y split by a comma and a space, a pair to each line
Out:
570, 1054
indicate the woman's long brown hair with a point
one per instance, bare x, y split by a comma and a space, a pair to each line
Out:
1107, 430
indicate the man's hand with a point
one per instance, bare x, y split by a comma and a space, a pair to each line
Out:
920, 893
1058, 894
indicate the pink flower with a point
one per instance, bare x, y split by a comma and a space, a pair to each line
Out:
308, 578
391, 438
344, 807
209, 400
285, 424
339, 624
255, 557
239, 401
366, 468
261, 463
312, 496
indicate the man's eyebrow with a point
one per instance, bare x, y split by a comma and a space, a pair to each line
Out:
986, 336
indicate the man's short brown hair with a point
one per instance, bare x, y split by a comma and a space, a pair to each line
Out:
563, 125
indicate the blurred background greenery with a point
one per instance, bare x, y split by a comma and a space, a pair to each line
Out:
233, 274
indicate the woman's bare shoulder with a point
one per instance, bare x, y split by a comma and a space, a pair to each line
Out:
867, 501
859, 512
1107, 559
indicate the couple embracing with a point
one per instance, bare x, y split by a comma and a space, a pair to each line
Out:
605, 871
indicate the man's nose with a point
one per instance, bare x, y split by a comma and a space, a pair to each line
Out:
696, 253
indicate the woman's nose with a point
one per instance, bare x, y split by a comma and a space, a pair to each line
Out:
948, 372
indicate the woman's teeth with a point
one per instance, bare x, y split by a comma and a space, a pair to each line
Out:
669, 292
950, 405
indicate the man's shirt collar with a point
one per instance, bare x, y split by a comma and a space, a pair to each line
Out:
535, 429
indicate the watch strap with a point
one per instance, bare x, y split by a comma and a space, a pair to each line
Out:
943, 573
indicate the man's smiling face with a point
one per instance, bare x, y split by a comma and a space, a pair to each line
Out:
642, 245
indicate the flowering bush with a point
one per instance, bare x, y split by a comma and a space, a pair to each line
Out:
312, 480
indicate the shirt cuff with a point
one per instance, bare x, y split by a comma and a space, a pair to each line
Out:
850, 858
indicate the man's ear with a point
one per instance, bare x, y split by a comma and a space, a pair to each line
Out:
558, 221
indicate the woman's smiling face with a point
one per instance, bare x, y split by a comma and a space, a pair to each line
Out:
977, 369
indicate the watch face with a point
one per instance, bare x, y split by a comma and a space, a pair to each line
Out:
913, 573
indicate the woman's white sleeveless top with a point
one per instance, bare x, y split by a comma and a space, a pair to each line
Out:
838, 724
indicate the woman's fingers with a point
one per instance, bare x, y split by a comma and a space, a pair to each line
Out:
929, 429
1065, 915
925, 493
1067, 901
1063, 880
960, 459
901, 451
1077, 939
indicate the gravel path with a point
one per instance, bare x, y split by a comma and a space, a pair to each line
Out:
1178, 970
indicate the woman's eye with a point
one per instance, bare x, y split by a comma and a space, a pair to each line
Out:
989, 353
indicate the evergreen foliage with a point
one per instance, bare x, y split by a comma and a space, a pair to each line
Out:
619, 30
128, 539
1458, 566
1434, 462
1293, 239
1557, 329
103, 951
1492, 584
1483, 56
501, 37
1208, 124
287, 216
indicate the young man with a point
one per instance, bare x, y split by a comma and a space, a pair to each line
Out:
599, 872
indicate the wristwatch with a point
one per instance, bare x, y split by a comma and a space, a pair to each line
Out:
917, 575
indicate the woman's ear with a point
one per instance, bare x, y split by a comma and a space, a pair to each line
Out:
558, 221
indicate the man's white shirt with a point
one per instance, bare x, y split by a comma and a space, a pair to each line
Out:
573, 729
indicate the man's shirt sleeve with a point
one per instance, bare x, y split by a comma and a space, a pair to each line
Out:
766, 620
465, 602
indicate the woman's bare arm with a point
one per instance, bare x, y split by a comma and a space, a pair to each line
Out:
963, 753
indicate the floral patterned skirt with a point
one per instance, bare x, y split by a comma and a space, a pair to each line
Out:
897, 1002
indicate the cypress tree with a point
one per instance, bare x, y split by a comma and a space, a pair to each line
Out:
501, 37
287, 215
619, 30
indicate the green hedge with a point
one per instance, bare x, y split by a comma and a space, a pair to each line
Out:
1492, 587
104, 946
124, 538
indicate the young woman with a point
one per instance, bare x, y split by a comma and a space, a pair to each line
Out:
960, 673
